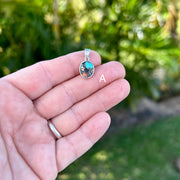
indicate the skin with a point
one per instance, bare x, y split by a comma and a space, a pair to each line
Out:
54, 90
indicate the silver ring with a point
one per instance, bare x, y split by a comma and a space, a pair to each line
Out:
54, 130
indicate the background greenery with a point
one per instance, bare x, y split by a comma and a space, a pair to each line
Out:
146, 152
144, 35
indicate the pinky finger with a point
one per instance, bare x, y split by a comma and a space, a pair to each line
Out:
71, 147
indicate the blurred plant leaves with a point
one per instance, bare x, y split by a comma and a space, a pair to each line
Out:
131, 32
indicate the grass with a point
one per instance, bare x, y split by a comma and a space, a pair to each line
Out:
145, 152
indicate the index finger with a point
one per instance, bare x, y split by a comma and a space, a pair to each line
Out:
37, 79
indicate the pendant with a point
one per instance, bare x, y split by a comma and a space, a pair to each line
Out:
86, 68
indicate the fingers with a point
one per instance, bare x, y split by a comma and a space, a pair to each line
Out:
35, 80
102, 100
73, 146
66, 94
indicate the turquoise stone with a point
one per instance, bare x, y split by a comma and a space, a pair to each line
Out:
86, 69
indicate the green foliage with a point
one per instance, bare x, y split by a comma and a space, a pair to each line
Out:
127, 31
145, 152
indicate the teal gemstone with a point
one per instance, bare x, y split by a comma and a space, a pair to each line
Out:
86, 69
89, 65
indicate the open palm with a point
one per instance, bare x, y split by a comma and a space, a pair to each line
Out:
53, 90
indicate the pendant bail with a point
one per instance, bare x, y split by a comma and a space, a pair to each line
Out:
87, 51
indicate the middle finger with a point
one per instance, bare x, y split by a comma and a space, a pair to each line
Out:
63, 96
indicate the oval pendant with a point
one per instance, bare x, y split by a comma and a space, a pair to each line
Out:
86, 69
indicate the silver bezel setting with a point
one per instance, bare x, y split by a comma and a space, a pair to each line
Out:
80, 69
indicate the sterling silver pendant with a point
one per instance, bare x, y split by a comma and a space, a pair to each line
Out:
86, 68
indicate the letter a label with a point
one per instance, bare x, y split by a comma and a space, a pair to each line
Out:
102, 78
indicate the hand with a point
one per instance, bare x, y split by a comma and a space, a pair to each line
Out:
54, 90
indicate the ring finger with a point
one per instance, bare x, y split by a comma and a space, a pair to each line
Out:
100, 101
